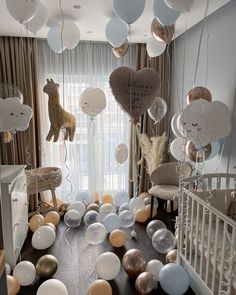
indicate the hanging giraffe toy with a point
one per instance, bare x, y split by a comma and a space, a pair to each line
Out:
59, 118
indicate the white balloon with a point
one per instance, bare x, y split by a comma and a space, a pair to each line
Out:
25, 273
121, 153
127, 218
175, 126
38, 21
164, 13
108, 266
72, 218
54, 39
95, 233
129, 10
121, 198
70, 34
92, 101
136, 203
8, 269
22, 10
177, 149
43, 238
52, 287
106, 209
154, 47
78, 206
112, 222
180, 5
116, 31
154, 266
158, 109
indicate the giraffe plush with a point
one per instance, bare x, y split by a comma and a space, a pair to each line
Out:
59, 118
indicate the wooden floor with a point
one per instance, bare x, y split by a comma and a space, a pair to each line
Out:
77, 261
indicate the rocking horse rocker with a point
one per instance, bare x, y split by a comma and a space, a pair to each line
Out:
59, 118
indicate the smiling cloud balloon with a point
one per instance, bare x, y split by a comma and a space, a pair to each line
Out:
14, 115
203, 122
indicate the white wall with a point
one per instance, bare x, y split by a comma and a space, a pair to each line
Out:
221, 56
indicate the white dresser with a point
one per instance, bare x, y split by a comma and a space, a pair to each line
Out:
14, 210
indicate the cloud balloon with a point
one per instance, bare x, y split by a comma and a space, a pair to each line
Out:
202, 121
14, 115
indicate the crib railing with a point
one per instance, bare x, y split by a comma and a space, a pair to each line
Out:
207, 236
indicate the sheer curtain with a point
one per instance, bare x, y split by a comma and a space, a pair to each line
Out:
88, 163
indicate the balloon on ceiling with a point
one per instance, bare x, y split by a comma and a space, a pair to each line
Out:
154, 47
38, 21
129, 10
197, 93
116, 31
162, 33
22, 10
180, 5
121, 51
134, 90
166, 15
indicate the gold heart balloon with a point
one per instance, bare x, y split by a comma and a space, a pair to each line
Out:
121, 51
162, 33
134, 91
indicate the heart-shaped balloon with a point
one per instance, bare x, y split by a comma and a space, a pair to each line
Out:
121, 51
134, 90
162, 33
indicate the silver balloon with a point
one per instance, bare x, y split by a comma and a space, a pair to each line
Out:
72, 218
158, 109
91, 217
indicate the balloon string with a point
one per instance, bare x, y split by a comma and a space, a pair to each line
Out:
207, 58
68, 171
184, 61
176, 74
200, 42
92, 127
67, 242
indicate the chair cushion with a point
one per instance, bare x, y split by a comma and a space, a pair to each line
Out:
165, 192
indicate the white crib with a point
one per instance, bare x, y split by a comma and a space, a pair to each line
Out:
207, 236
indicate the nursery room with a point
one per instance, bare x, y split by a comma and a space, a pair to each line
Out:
117, 147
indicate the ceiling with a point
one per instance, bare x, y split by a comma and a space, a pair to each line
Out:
93, 15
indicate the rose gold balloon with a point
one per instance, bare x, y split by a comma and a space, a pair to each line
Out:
171, 256
134, 262
145, 283
100, 287
36, 221
141, 215
121, 51
117, 238
107, 199
197, 93
162, 33
93, 207
192, 152
52, 217
148, 210
13, 286
144, 195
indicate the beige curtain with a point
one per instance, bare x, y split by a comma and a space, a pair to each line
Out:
18, 66
139, 178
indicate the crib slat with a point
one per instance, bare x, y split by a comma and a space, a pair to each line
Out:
196, 244
186, 227
215, 254
202, 240
222, 259
191, 232
232, 253
208, 248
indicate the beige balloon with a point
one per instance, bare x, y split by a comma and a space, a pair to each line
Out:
107, 199
148, 209
141, 215
171, 256
36, 221
100, 287
52, 217
51, 225
13, 286
145, 195
117, 238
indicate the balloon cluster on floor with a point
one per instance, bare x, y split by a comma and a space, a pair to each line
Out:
199, 127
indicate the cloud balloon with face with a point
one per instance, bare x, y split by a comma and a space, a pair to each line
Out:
14, 115
203, 122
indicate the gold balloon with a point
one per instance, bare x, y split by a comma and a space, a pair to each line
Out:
36, 221
145, 283
121, 51
192, 152
148, 209
134, 262
141, 215
13, 286
162, 33
93, 207
100, 287
64, 207
117, 238
197, 93
51, 225
171, 256
147, 201
46, 266
107, 199
52, 217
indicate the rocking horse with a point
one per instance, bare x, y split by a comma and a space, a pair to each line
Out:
59, 118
